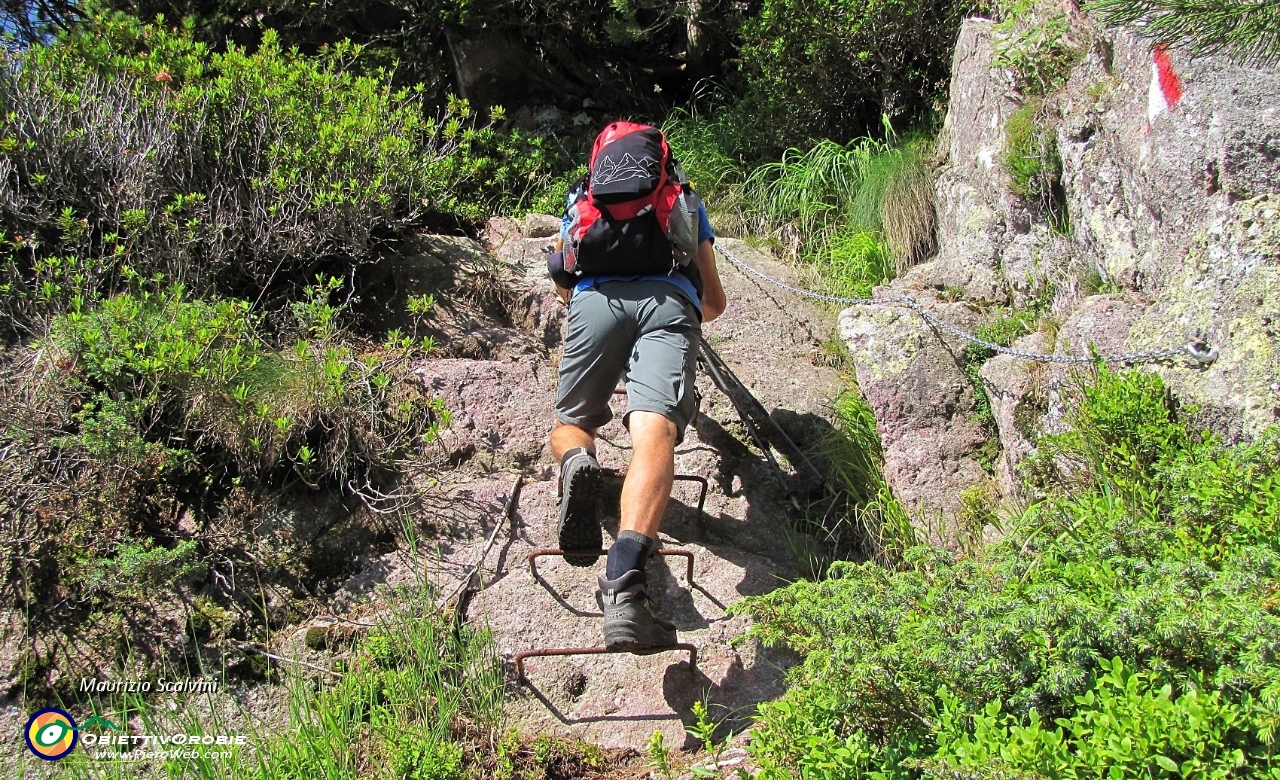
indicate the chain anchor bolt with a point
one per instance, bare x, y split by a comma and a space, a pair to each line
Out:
1201, 352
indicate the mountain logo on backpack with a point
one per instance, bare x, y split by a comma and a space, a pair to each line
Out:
633, 212
611, 172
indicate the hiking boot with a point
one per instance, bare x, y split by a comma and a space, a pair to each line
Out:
629, 622
582, 483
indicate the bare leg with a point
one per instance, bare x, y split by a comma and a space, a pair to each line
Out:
647, 488
629, 622
565, 437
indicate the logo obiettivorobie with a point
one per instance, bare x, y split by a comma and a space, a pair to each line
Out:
51, 734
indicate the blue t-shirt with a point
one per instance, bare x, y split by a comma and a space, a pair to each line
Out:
682, 282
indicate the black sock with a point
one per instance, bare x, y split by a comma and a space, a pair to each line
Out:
629, 551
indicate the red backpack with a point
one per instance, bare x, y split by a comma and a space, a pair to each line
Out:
634, 211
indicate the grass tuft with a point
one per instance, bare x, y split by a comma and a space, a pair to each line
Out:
857, 214
858, 518
1033, 163
908, 212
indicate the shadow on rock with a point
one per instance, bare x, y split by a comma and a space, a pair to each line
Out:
680, 670
731, 701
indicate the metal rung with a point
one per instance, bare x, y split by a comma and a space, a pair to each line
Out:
601, 650
536, 554
702, 495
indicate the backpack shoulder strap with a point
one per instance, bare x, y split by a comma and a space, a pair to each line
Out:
578, 190
675, 172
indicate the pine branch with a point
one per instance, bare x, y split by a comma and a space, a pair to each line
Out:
1248, 31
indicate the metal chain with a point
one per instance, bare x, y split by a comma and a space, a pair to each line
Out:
1198, 352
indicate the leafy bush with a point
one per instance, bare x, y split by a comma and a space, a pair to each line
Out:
613, 51
135, 569
831, 69
1152, 545
179, 235
146, 436
135, 144
1036, 45
152, 367
1125, 723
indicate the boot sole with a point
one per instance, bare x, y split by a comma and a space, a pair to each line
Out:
579, 533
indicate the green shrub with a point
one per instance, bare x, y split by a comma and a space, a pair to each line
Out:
153, 368
1036, 46
1127, 725
420, 755
831, 69
1121, 433
174, 226
1151, 545
135, 569
150, 435
1029, 151
135, 144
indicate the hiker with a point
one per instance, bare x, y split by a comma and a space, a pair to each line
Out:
637, 270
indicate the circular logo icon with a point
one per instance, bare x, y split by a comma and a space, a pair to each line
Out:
51, 734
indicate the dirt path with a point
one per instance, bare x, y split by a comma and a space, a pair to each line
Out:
740, 542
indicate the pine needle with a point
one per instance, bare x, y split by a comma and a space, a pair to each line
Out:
1248, 31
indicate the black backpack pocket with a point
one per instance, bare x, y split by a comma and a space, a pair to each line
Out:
624, 246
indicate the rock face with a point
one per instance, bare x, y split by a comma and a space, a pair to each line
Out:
1227, 290
914, 380
976, 211
1171, 183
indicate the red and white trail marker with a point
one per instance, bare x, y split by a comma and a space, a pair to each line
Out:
1166, 87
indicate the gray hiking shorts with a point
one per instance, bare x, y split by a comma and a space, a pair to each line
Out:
644, 332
